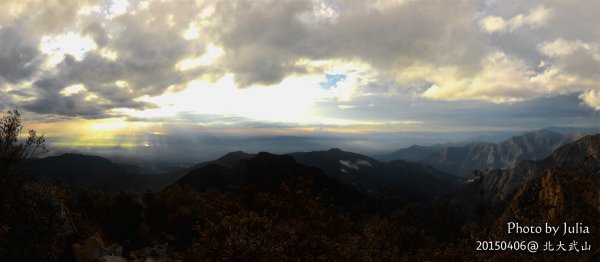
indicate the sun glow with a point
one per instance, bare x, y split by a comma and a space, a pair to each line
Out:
56, 47
212, 54
109, 125
112, 132
74, 89
290, 101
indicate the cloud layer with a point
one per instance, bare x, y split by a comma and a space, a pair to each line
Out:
108, 59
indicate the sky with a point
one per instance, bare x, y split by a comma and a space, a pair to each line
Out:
281, 75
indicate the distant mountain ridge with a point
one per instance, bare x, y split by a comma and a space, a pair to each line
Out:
79, 171
94, 172
399, 180
569, 177
464, 160
581, 156
413, 153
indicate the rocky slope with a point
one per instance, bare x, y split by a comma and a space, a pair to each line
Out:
488, 156
562, 187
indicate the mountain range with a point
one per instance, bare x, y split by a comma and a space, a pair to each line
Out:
337, 171
426, 210
163, 180
265, 172
85, 171
93, 172
580, 157
398, 180
464, 160
563, 187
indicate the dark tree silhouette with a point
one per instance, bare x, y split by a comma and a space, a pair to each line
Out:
32, 214
15, 152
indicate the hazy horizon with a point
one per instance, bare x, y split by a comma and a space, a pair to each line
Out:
169, 152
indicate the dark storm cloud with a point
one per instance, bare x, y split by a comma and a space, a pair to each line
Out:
19, 59
50, 101
73, 106
146, 60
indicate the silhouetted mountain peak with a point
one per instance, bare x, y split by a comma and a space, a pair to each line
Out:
266, 172
236, 154
542, 136
414, 153
342, 155
335, 150
231, 158
78, 171
543, 131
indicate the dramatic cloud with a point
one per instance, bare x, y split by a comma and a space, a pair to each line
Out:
591, 98
533, 19
264, 45
41, 16
311, 63
576, 58
18, 59
536, 49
